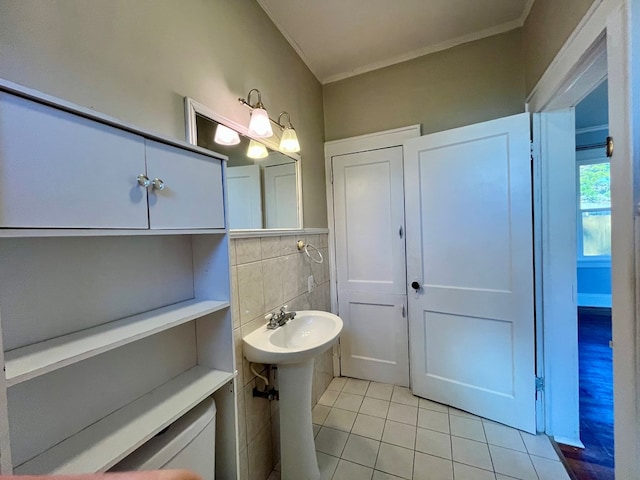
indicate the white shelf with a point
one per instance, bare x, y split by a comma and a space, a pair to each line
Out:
31, 361
106, 442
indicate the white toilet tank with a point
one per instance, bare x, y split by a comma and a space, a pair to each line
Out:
188, 443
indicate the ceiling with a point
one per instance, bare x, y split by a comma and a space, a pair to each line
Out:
338, 39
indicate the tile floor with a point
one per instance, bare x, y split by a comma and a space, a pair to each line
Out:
368, 430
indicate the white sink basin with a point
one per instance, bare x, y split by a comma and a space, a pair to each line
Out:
310, 333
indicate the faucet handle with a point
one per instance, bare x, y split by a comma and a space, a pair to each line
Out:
268, 317
284, 308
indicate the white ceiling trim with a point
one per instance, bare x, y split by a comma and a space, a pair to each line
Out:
505, 27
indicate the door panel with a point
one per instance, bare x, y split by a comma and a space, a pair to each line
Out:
245, 196
192, 196
469, 243
280, 196
370, 257
376, 347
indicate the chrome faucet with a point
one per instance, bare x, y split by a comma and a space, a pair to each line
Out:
278, 319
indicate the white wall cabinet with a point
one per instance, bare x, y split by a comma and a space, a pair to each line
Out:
114, 298
62, 170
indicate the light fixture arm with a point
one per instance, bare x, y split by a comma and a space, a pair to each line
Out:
279, 123
248, 103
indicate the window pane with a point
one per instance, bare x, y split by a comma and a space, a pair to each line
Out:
596, 233
595, 187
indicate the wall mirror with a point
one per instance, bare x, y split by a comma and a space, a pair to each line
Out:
263, 193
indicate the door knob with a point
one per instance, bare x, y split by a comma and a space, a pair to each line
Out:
158, 184
415, 285
143, 181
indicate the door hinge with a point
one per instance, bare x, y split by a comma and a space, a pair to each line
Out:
539, 384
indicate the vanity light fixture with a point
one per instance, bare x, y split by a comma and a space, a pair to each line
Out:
226, 136
256, 150
259, 123
289, 141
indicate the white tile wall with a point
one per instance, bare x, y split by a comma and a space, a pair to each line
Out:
267, 273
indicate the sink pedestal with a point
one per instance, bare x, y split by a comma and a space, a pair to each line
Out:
297, 446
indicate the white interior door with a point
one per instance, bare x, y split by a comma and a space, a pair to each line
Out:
280, 196
370, 257
245, 196
469, 244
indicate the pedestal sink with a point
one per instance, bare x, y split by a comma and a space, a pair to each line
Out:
292, 348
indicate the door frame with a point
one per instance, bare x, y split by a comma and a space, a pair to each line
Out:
564, 84
345, 146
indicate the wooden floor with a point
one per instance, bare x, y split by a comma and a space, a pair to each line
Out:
595, 462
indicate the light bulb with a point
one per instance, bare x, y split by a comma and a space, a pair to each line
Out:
289, 141
226, 136
256, 150
259, 124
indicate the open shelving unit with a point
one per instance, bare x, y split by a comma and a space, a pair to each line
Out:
111, 329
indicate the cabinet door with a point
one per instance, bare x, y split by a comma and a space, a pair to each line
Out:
192, 193
59, 170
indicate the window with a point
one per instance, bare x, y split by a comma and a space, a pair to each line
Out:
594, 209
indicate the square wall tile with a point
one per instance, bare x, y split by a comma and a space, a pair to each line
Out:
272, 274
270, 247
248, 250
250, 291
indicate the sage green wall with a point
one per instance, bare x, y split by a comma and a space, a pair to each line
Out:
136, 60
470, 83
547, 28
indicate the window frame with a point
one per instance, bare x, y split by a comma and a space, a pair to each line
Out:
589, 157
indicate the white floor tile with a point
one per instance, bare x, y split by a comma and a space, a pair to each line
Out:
357, 387
337, 383
471, 453
549, 469
381, 391
428, 467
375, 407
403, 413
504, 477
349, 401
466, 472
403, 395
467, 428
399, 434
329, 397
513, 463
327, 465
361, 450
433, 443
429, 405
503, 436
461, 413
539, 445
340, 419
352, 471
395, 460
378, 475
316, 429
319, 414
432, 420
331, 441
368, 426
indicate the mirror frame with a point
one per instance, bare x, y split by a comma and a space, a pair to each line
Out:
193, 108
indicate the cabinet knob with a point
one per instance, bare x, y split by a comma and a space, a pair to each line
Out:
143, 181
158, 184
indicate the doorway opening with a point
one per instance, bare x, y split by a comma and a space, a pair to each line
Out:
593, 208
